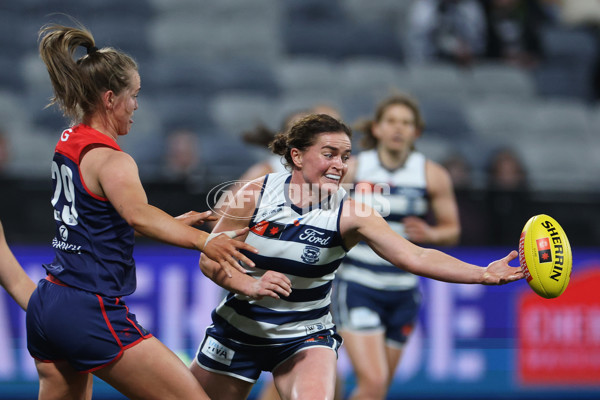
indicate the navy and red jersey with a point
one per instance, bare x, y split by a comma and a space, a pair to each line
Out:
93, 243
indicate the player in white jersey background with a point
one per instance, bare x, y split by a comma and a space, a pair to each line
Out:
276, 317
376, 304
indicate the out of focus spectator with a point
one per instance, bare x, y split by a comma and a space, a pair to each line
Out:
514, 31
460, 170
182, 155
507, 196
506, 171
471, 205
579, 12
445, 30
583, 14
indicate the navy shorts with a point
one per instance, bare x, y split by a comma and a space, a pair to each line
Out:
244, 361
85, 329
359, 308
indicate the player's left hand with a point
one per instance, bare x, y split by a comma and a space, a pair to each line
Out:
271, 284
417, 230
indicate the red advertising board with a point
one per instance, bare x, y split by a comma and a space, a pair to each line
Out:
558, 340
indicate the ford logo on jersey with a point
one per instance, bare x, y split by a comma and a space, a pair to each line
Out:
310, 255
314, 236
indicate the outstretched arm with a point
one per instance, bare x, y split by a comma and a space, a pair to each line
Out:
118, 180
360, 222
193, 218
12, 276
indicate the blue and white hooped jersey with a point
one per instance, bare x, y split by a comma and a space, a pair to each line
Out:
395, 194
303, 244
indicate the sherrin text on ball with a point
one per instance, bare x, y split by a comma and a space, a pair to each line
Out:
545, 256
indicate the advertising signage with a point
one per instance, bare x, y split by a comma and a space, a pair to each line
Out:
471, 341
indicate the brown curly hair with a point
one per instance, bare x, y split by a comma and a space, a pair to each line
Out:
303, 134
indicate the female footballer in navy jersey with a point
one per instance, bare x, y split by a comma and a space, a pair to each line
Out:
276, 317
77, 321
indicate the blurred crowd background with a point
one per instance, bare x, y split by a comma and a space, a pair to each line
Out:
509, 90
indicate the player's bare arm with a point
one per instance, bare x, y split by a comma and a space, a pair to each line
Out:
446, 231
360, 222
12, 276
118, 180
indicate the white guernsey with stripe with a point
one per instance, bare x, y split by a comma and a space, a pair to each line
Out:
305, 245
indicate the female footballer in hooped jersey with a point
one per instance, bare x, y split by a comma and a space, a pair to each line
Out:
77, 321
376, 304
276, 317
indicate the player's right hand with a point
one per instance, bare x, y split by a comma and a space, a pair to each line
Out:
225, 250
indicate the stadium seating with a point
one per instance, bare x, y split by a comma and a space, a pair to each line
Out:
222, 66
238, 112
439, 80
570, 59
501, 80
307, 75
375, 76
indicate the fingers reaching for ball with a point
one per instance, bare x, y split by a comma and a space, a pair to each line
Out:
500, 272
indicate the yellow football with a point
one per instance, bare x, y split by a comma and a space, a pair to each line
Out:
545, 256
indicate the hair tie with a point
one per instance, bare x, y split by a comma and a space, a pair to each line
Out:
91, 49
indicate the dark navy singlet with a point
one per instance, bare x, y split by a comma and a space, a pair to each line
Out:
93, 243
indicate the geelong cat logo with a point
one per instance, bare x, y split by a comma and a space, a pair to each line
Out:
310, 255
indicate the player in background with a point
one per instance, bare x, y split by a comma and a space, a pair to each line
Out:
277, 315
375, 303
12, 276
77, 321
